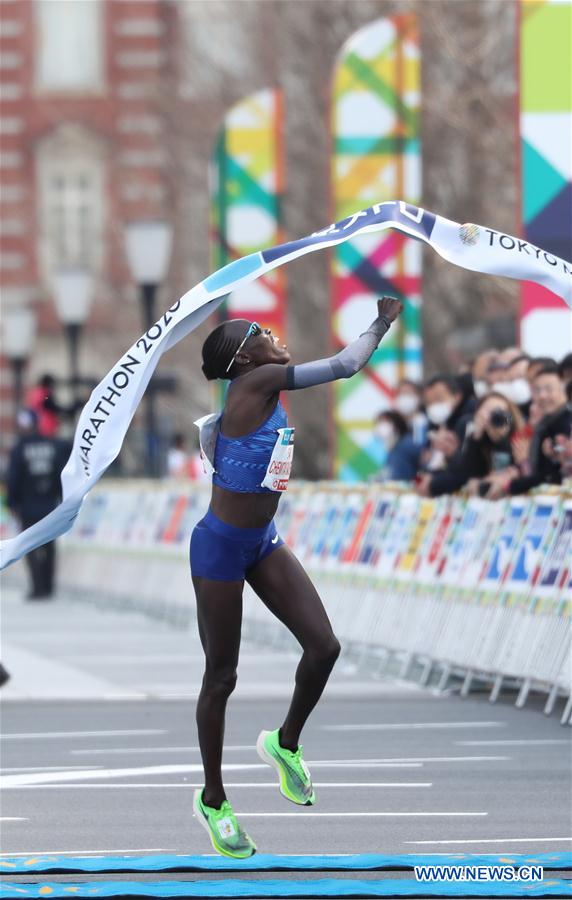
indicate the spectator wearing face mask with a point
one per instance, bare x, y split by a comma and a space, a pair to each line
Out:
514, 384
402, 460
481, 372
407, 403
548, 443
486, 451
499, 376
501, 368
449, 414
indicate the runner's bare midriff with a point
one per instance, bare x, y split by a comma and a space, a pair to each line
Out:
244, 510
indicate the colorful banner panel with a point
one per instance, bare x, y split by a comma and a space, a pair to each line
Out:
375, 113
455, 581
465, 547
546, 163
247, 184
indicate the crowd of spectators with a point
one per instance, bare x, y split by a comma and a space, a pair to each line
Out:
500, 427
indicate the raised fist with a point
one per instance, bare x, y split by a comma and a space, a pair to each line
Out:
390, 307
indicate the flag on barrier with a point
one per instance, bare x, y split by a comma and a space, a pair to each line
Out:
425, 517
432, 553
538, 533
498, 564
375, 531
397, 537
472, 534
557, 567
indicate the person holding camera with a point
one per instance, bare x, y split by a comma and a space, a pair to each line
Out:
486, 451
547, 449
449, 412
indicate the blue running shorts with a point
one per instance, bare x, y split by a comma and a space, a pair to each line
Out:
223, 552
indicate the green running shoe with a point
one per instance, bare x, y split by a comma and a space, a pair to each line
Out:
295, 780
227, 836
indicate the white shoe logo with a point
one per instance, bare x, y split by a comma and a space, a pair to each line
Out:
274, 540
226, 828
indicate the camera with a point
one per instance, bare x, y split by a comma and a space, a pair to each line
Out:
484, 488
499, 418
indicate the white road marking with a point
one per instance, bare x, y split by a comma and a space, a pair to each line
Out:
97, 853
134, 750
57, 777
512, 743
129, 658
496, 841
12, 819
384, 726
237, 784
46, 768
122, 695
278, 689
336, 762
170, 658
59, 734
388, 815
408, 760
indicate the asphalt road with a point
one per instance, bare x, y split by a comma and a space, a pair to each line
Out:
99, 751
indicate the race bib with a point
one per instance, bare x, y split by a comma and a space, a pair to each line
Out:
208, 432
280, 465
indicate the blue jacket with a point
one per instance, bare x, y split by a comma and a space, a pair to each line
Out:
402, 461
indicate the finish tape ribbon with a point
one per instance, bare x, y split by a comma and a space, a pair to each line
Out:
105, 418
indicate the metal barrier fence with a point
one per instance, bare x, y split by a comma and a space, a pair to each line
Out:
458, 585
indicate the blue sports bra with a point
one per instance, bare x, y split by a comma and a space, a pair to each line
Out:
241, 463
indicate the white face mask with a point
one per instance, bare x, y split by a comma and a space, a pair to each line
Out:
386, 434
504, 388
481, 388
520, 391
438, 413
406, 404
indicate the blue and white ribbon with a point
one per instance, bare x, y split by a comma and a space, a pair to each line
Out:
105, 418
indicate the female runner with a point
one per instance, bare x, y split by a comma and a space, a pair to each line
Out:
249, 447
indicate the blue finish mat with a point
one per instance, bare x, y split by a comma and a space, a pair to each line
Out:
326, 887
262, 862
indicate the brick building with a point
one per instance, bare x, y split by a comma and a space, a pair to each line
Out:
83, 152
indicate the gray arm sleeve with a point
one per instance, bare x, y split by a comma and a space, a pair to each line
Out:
343, 365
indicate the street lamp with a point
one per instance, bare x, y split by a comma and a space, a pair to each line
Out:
148, 245
73, 293
18, 335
